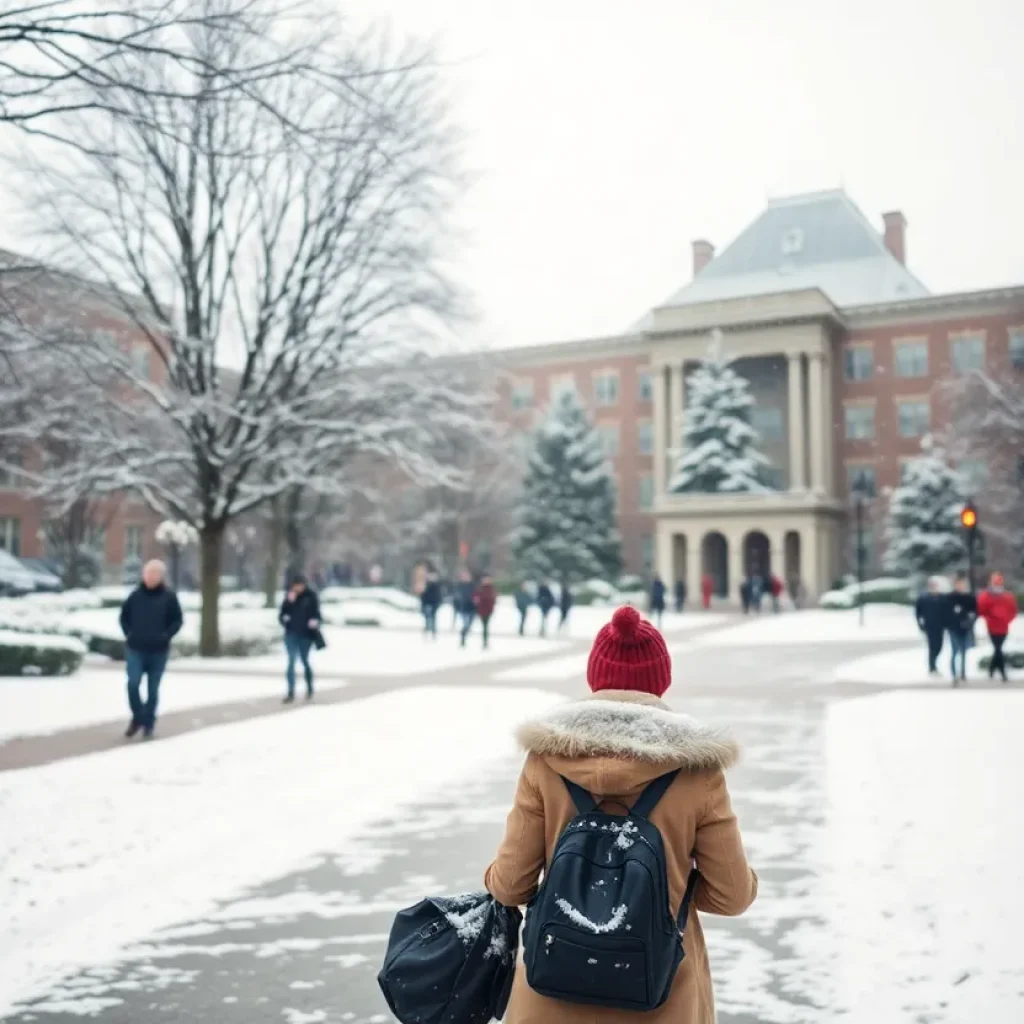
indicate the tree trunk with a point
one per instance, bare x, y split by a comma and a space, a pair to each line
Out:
272, 576
293, 532
211, 544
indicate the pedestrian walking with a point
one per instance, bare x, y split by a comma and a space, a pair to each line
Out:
484, 601
657, 600
300, 616
775, 586
998, 607
746, 591
564, 604
680, 596
795, 590
523, 601
545, 602
707, 590
930, 611
961, 611
430, 604
150, 619
622, 748
756, 592
463, 600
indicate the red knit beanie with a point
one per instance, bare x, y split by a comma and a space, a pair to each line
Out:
629, 654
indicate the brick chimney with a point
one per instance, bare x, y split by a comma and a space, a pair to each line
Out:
703, 254
896, 234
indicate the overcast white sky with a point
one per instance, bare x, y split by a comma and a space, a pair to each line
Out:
609, 134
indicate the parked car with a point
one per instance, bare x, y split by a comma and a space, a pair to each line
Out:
15, 579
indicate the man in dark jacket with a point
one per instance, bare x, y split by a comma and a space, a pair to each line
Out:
930, 611
564, 604
658, 600
523, 601
545, 602
150, 619
961, 611
465, 610
430, 603
300, 616
680, 596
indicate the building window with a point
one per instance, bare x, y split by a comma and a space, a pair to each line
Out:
9, 461
1017, 347
861, 479
644, 386
767, 421
967, 353
645, 437
10, 535
96, 541
914, 417
647, 546
860, 422
606, 387
562, 384
609, 433
522, 394
133, 543
859, 362
910, 358
646, 491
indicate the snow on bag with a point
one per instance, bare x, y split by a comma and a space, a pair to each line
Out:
451, 960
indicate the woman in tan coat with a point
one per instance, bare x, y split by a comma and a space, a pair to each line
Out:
613, 744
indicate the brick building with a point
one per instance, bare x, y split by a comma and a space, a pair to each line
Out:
844, 349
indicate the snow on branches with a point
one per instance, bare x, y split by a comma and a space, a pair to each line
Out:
568, 529
923, 534
719, 445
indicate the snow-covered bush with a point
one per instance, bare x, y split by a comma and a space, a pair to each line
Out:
837, 600
390, 596
35, 654
885, 590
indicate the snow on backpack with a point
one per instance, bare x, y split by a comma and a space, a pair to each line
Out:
600, 929
451, 960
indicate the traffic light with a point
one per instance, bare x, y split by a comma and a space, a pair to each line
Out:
969, 517
969, 521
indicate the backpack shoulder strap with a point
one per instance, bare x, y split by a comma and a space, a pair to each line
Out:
684, 907
584, 802
649, 798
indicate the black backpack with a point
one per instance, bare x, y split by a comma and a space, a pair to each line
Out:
451, 960
600, 929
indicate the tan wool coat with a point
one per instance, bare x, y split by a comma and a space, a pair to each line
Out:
613, 744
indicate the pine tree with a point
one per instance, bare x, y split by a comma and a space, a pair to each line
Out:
923, 535
568, 528
719, 445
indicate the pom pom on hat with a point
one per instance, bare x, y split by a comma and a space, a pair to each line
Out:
629, 654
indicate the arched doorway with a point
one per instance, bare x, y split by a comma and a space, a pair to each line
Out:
757, 554
715, 562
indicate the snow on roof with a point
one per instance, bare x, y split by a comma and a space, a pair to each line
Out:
818, 240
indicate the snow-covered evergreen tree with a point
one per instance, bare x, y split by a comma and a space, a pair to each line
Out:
567, 528
720, 452
923, 535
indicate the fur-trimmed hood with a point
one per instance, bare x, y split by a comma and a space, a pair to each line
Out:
639, 730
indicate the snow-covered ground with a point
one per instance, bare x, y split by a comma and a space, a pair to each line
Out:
910, 667
99, 852
882, 624
38, 706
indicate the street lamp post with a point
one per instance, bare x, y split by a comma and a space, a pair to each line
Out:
859, 496
969, 521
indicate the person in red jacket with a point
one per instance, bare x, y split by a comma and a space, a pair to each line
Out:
776, 585
707, 588
998, 607
484, 601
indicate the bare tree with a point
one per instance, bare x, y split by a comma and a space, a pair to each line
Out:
987, 430
283, 269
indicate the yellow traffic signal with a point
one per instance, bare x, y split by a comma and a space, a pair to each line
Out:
968, 517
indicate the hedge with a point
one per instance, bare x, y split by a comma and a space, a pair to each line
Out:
23, 655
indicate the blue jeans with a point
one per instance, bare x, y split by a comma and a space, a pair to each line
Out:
298, 647
958, 642
150, 664
430, 619
467, 617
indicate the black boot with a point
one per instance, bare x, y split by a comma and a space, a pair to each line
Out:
290, 699
133, 728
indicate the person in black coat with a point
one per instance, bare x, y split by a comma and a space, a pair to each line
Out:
523, 601
680, 595
430, 603
545, 602
300, 616
961, 611
658, 592
565, 603
930, 611
150, 619
462, 600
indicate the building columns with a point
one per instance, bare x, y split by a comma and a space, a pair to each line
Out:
797, 427
659, 413
676, 405
816, 367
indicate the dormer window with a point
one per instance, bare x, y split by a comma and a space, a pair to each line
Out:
792, 242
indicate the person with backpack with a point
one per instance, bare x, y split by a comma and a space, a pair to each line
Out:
998, 607
622, 809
